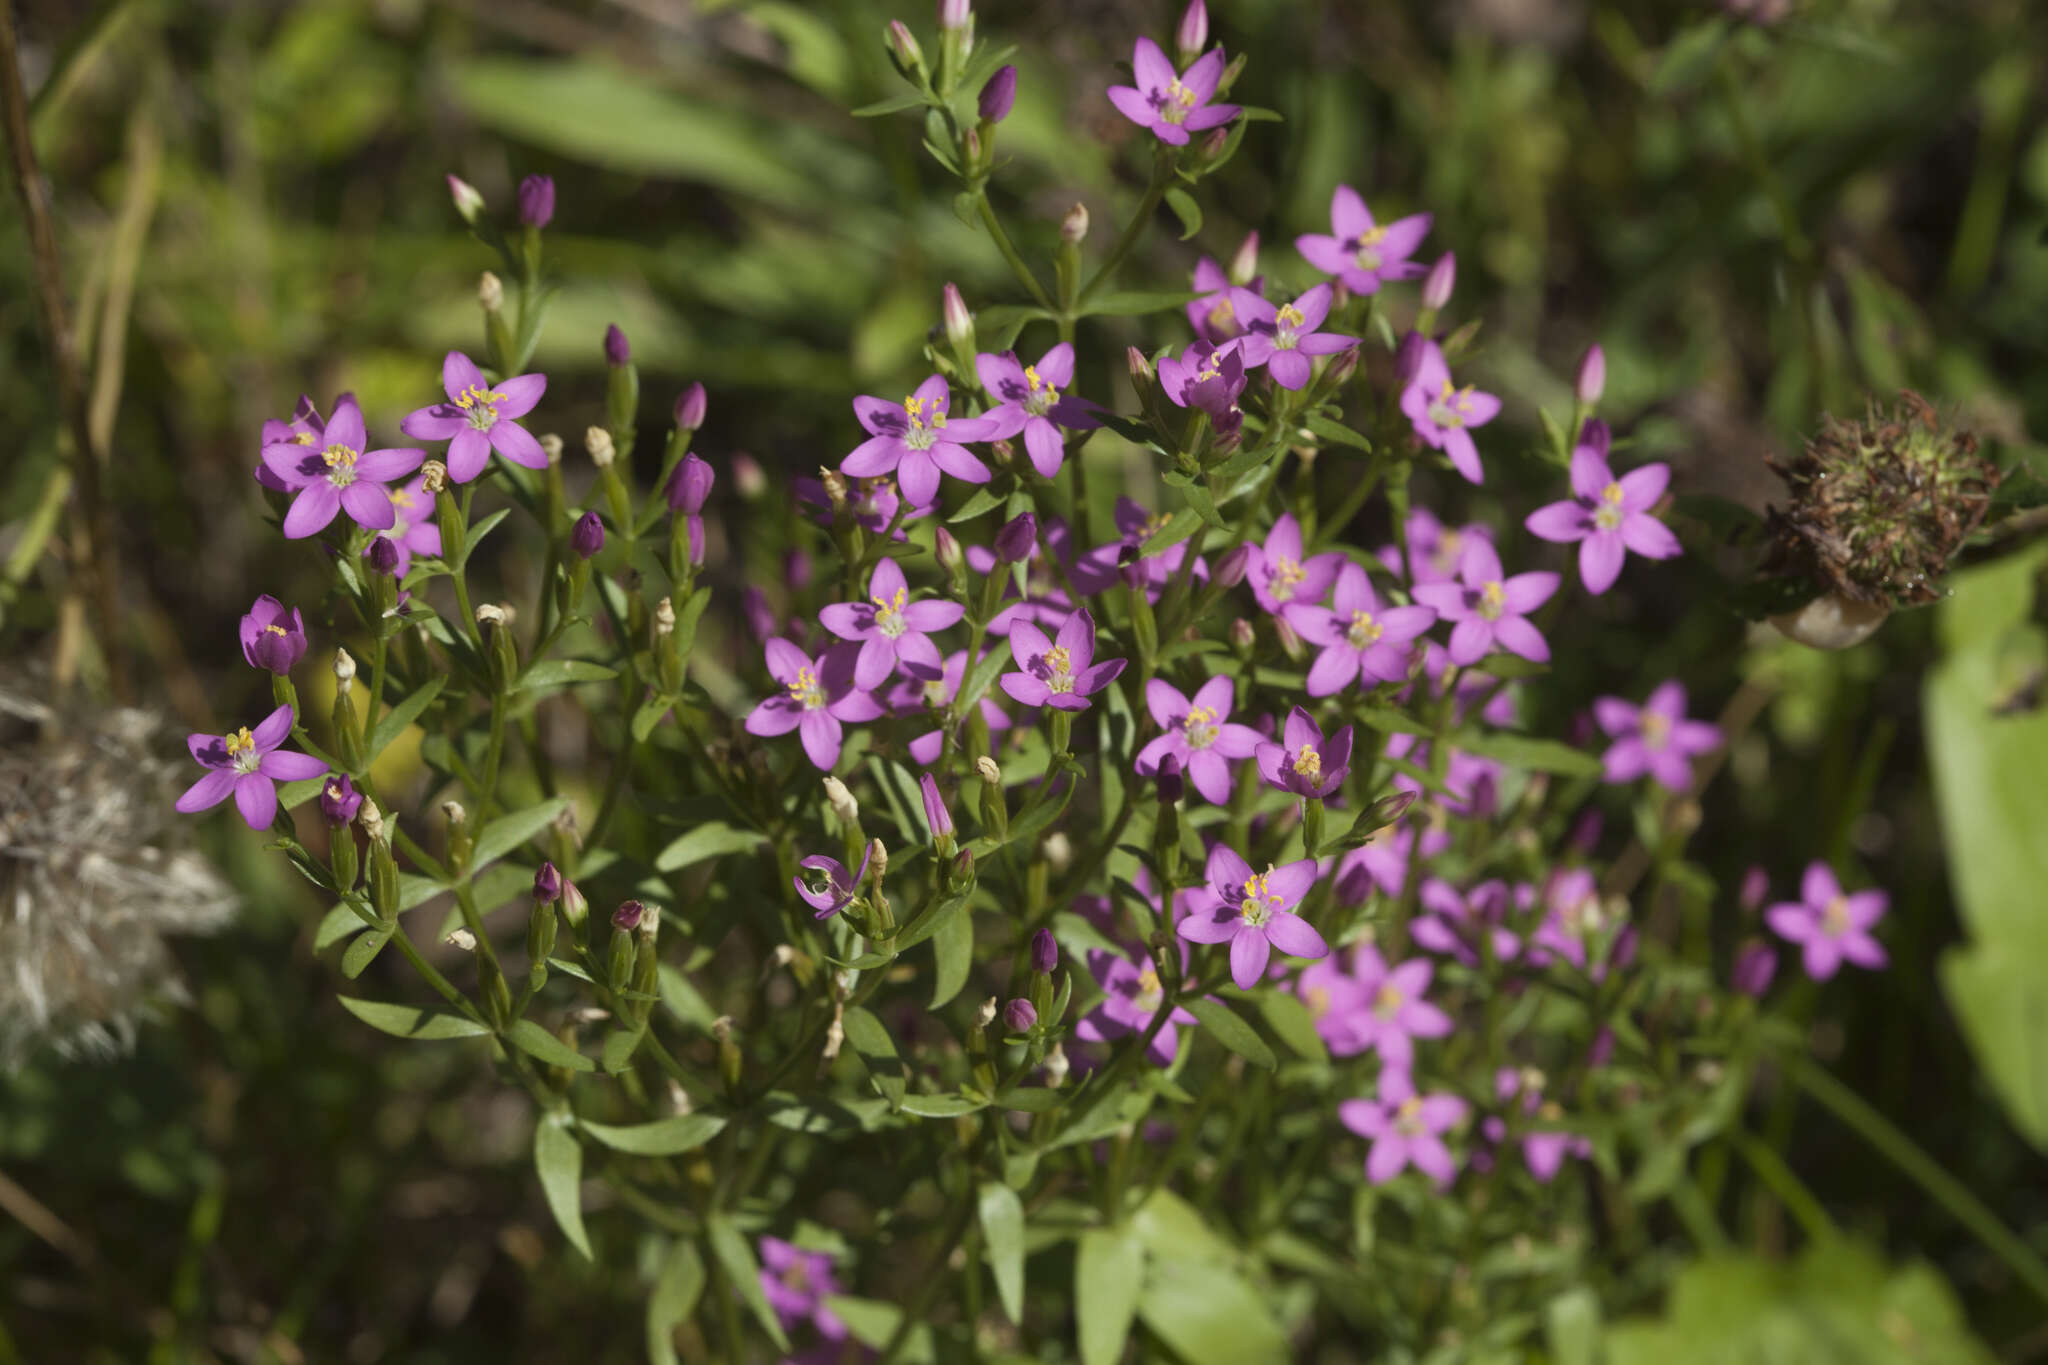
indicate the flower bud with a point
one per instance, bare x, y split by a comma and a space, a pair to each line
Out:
690, 485
1756, 886
1244, 266
955, 15
1141, 368
749, 480
1017, 538
537, 201
339, 801
840, 801
1019, 1016
1755, 965
1437, 285
382, 554
1045, 951
998, 95
1193, 34
468, 202
454, 814
878, 861
690, 407
1408, 358
903, 47
1169, 781
959, 322
946, 546
598, 442
490, 291
434, 477
617, 350
1592, 378
1231, 569
1211, 149
344, 671
1074, 227
575, 905
371, 821
547, 883
628, 916
587, 537
937, 818
1241, 634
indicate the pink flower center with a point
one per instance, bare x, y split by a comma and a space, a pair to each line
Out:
1387, 1002
1408, 1118
1493, 600
1451, 406
1656, 728
1608, 515
241, 747
1150, 994
1834, 917
924, 428
1308, 763
1039, 396
480, 405
1223, 317
1286, 327
808, 692
1059, 669
1199, 725
1177, 101
1287, 576
889, 614
341, 465
1364, 630
1261, 901
1365, 251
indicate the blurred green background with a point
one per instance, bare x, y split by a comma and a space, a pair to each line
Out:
1759, 224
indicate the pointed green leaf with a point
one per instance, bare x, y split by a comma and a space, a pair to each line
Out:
558, 1158
743, 1273
545, 673
508, 832
413, 1021
663, 1137
535, 1041
1002, 1232
394, 721
953, 950
1109, 1275
713, 839
1227, 1028
677, 1287
363, 952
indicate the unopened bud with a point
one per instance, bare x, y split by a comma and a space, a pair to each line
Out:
937, 818
959, 322
344, 671
1074, 227
946, 546
383, 554
999, 95
575, 905
1193, 34
1342, 367
691, 405
903, 47
878, 861
1592, 377
955, 15
1756, 885
1056, 1066
490, 292
1755, 965
1172, 785
1019, 1016
587, 537
1141, 368
1290, 639
1244, 266
1045, 951
617, 350
1437, 285
628, 916
1241, 634
468, 203
547, 883
749, 480
434, 477
537, 201
1213, 145
840, 801
1016, 540
453, 813
598, 442
1231, 569
689, 485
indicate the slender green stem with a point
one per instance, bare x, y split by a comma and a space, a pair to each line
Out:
431, 974
622, 769
1009, 250
1925, 1171
934, 1278
1162, 176
1799, 1201
494, 753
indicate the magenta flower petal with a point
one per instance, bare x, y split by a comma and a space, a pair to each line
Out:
209, 791
256, 799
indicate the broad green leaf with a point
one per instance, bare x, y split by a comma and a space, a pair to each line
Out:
558, 1158
1571, 1327
953, 952
941, 1106
663, 1137
982, 676
1183, 524
1002, 1232
292, 795
336, 925
930, 922
363, 952
650, 714
508, 832
1187, 210
743, 1273
413, 1021
1171, 1227
980, 503
714, 839
1208, 1314
821, 1114
1031, 1099
1291, 1024
1224, 1024
529, 1037
877, 1051
394, 721
1522, 751
2000, 1001
872, 1323
1336, 431
619, 1046
1109, 1276
545, 673
677, 1287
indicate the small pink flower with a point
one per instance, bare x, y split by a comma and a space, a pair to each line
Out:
1254, 913
1654, 738
1833, 925
1608, 517
479, 418
1406, 1129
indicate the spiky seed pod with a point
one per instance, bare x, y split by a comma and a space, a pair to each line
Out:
1878, 507
85, 899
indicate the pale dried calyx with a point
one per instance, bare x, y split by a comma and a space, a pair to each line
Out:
1832, 622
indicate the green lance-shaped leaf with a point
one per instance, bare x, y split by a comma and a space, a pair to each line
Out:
1002, 1230
558, 1158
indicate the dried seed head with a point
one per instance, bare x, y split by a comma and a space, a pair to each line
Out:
344, 671
434, 476
844, 808
598, 442
551, 446
664, 619
990, 773
1879, 506
490, 292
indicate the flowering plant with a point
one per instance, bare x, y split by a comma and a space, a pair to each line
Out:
1156, 917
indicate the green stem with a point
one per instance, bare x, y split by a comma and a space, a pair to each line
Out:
1009, 250
934, 1277
1799, 1201
1928, 1173
1162, 175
